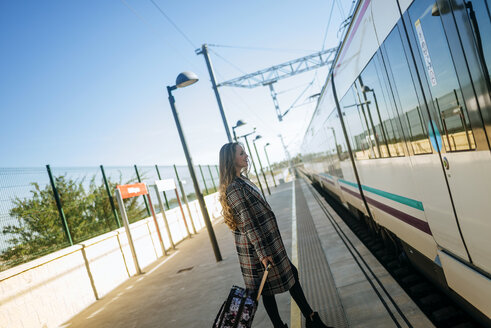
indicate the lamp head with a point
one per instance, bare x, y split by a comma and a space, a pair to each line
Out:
366, 89
186, 78
257, 137
267, 144
434, 10
239, 123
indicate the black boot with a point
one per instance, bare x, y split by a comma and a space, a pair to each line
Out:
315, 322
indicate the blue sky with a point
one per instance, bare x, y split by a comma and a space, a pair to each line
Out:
82, 83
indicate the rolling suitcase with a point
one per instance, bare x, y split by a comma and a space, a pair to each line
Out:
239, 308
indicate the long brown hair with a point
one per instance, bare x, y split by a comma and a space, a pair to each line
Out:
227, 175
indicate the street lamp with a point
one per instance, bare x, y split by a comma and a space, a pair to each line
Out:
269, 164
239, 123
183, 80
290, 163
259, 160
366, 89
252, 160
369, 136
335, 141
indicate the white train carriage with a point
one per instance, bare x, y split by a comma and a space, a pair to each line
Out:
402, 133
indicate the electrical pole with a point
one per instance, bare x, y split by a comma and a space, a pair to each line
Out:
204, 51
287, 156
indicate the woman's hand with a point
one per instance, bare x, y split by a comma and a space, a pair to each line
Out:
266, 260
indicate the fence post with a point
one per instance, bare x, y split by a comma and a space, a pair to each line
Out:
183, 192
212, 180
169, 234
139, 180
165, 196
126, 223
203, 177
58, 205
111, 200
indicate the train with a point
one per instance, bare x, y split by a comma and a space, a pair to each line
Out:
401, 135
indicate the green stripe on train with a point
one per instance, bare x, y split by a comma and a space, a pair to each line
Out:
400, 199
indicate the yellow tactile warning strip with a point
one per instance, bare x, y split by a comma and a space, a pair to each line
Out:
315, 275
295, 318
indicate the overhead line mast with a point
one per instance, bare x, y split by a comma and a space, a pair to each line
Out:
281, 71
268, 76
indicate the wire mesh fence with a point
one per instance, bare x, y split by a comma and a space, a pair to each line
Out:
29, 218
33, 223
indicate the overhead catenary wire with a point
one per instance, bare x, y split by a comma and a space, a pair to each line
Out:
327, 27
227, 61
341, 11
300, 96
158, 32
292, 89
345, 23
218, 55
174, 24
260, 120
273, 49
260, 48
239, 97
308, 114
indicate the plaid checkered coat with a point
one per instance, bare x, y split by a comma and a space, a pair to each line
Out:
256, 237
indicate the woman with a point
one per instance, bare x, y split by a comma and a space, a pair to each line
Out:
257, 238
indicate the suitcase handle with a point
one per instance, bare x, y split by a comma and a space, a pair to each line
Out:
263, 281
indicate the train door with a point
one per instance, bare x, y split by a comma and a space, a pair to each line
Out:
453, 72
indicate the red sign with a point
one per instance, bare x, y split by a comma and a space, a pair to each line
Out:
132, 190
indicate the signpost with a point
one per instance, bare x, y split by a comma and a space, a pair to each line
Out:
129, 191
169, 184
183, 192
162, 210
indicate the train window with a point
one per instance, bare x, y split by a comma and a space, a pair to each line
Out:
317, 145
405, 94
372, 83
355, 117
481, 10
337, 149
447, 97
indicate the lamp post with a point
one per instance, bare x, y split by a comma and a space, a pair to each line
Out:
204, 51
252, 160
259, 160
269, 164
184, 79
366, 89
377, 143
335, 141
369, 139
290, 163
239, 123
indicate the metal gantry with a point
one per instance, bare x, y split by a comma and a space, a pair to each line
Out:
281, 71
269, 76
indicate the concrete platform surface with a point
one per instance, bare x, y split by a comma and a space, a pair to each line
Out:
187, 287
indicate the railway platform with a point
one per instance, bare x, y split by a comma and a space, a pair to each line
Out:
341, 279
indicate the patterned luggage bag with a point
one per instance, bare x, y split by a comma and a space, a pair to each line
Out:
239, 308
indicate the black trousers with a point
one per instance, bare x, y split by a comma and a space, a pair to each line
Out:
298, 296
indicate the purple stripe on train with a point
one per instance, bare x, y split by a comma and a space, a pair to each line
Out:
409, 219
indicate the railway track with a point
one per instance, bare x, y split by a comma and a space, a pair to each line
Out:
438, 307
